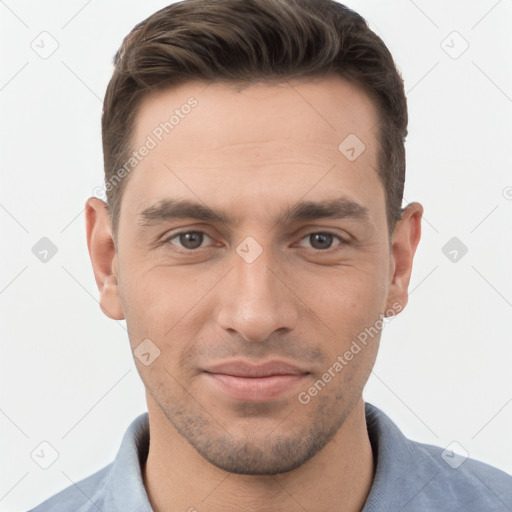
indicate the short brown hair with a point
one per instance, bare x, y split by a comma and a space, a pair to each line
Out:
245, 41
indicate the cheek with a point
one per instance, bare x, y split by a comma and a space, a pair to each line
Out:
345, 300
147, 302
160, 307
162, 303
345, 318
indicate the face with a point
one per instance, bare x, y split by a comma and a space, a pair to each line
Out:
253, 254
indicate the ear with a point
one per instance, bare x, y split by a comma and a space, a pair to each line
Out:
405, 239
103, 256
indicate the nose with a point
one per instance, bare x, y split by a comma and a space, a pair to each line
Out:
256, 299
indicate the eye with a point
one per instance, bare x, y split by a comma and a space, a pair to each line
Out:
189, 240
322, 240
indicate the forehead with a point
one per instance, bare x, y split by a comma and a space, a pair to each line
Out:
256, 145
320, 109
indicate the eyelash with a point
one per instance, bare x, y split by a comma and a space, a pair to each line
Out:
324, 251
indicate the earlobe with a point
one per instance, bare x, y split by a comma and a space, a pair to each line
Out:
103, 256
405, 240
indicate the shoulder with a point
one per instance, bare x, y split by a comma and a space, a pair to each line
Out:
419, 477
85, 495
117, 486
462, 483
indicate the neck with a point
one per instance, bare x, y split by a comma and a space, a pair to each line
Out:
177, 478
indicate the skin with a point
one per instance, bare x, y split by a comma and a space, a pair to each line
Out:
253, 153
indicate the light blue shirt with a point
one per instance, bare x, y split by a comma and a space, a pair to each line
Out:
409, 477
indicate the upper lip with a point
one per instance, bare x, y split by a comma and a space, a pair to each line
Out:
245, 369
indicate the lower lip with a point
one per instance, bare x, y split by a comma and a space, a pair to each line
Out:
255, 389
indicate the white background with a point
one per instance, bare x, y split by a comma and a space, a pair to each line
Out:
66, 372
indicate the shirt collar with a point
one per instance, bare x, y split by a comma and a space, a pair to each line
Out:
125, 485
401, 470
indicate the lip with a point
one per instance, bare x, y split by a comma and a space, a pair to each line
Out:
241, 380
240, 368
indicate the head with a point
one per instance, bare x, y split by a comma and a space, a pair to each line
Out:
254, 165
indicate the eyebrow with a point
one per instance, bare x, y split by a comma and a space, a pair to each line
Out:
172, 209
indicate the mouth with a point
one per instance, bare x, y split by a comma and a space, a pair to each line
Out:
241, 380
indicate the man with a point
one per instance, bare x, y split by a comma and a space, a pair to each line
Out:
254, 241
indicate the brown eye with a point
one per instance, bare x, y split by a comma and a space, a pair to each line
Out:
188, 239
322, 240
